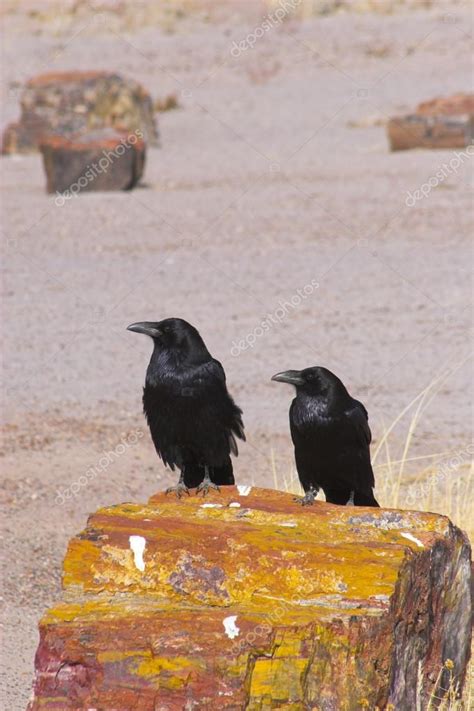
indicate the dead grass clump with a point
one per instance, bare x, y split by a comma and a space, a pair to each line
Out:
167, 103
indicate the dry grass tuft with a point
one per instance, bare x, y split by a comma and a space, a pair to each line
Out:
448, 698
167, 103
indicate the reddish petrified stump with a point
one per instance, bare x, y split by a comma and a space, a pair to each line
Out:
73, 103
246, 600
440, 123
103, 160
455, 105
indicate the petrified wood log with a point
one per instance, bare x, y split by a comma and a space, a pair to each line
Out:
245, 600
417, 131
439, 123
102, 160
71, 103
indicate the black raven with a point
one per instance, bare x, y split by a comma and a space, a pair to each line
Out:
192, 418
331, 435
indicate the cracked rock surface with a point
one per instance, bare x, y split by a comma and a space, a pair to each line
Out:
247, 601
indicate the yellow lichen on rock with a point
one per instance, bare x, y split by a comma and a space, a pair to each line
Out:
252, 602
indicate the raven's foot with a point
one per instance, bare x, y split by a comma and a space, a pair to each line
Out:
351, 499
180, 489
205, 485
308, 499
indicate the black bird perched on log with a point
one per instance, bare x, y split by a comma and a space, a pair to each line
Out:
192, 418
331, 436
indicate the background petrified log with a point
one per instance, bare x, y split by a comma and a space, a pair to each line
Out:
417, 131
439, 123
71, 103
247, 601
102, 160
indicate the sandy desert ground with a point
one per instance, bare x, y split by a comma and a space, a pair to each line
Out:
272, 176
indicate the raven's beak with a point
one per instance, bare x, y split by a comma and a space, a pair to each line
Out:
147, 327
293, 377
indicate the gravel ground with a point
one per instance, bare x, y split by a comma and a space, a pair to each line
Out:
274, 175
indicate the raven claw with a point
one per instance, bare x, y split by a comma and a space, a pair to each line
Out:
307, 500
204, 486
179, 490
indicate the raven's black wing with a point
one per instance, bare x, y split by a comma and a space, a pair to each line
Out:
304, 438
361, 439
363, 421
219, 408
191, 415
236, 424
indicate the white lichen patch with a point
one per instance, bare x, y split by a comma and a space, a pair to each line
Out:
289, 524
230, 627
244, 489
211, 506
234, 505
412, 538
138, 545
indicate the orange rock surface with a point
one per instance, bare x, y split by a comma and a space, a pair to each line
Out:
245, 600
448, 106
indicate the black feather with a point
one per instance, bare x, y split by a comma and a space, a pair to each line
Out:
192, 418
331, 436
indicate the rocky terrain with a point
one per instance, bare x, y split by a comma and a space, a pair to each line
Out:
273, 197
